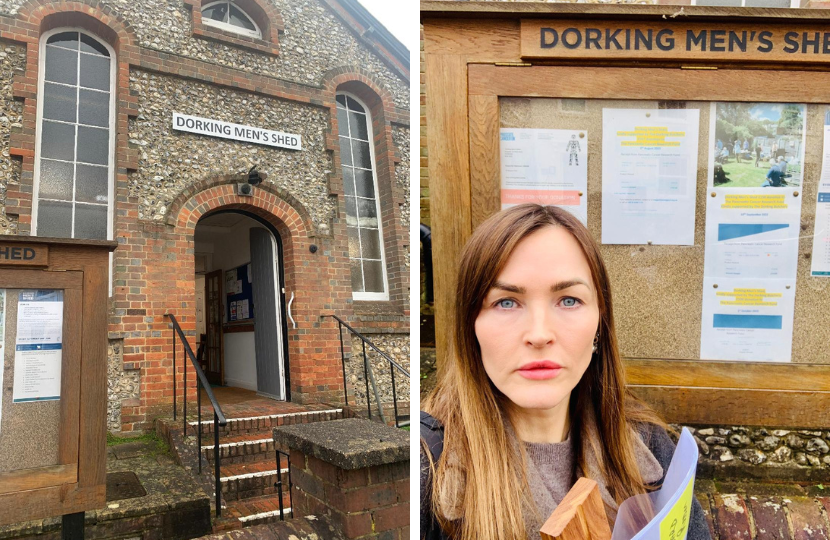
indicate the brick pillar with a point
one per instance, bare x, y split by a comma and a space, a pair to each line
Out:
352, 470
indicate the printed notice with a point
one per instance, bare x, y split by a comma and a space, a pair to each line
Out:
663, 514
649, 174
38, 346
545, 166
821, 238
747, 319
752, 233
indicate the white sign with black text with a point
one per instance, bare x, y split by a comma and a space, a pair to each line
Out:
237, 132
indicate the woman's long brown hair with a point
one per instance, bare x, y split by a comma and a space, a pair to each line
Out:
477, 453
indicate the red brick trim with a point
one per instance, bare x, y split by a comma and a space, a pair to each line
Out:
196, 190
264, 14
359, 82
33, 19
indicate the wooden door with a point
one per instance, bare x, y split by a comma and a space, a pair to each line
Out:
214, 308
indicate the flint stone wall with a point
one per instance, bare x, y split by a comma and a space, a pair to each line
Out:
172, 160
314, 41
394, 345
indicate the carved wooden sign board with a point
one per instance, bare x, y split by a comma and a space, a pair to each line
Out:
562, 39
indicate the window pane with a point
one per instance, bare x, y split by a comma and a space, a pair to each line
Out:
91, 184
95, 72
94, 108
364, 182
370, 242
373, 276
354, 242
217, 12
354, 105
362, 158
237, 18
57, 141
59, 102
357, 125
768, 3
357, 275
61, 65
67, 40
348, 180
345, 152
91, 45
368, 213
55, 180
90, 221
341, 99
351, 212
342, 121
93, 145
54, 219
736, 3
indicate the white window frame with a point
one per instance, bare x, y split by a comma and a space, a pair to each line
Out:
41, 78
369, 296
793, 3
232, 27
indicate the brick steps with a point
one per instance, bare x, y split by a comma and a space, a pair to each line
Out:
248, 480
253, 424
243, 448
252, 511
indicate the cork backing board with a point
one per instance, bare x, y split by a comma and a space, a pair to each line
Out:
29, 432
658, 290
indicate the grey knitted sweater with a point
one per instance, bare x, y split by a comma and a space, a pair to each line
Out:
555, 464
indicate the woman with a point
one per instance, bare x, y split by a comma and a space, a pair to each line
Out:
533, 393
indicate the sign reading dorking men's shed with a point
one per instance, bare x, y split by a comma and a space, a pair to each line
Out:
673, 41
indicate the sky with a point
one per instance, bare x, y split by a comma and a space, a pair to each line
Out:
399, 17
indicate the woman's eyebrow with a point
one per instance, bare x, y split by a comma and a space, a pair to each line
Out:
554, 288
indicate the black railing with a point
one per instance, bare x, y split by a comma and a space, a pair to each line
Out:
201, 383
367, 370
278, 483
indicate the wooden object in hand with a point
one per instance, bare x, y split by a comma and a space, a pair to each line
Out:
580, 515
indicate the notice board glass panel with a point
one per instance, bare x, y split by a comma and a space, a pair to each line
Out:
658, 289
30, 427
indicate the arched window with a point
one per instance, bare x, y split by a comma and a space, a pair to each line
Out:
226, 15
73, 184
360, 184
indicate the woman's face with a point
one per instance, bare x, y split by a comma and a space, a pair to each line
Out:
537, 324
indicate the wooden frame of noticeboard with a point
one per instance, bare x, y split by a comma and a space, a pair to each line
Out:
477, 53
71, 476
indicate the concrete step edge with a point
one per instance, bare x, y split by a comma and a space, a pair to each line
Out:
263, 515
264, 416
240, 443
252, 475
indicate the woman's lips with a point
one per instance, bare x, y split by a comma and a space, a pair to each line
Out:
539, 371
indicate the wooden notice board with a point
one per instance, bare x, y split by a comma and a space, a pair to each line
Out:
494, 65
53, 444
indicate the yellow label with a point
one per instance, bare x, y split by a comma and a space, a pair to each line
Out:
676, 523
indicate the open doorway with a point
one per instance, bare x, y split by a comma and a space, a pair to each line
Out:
240, 313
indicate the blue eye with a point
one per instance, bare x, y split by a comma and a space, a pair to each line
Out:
569, 302
506, 303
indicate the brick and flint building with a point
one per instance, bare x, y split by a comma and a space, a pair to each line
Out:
313, 93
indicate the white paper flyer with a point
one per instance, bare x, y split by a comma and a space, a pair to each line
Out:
649, 175
38, 346
545, 166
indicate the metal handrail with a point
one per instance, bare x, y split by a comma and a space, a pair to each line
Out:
278, 483
369, 342
367, 370
219, 419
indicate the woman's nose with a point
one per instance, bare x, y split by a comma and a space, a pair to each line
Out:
540, 330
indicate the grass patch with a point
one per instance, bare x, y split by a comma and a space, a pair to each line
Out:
746, 174
157, 445
405, 428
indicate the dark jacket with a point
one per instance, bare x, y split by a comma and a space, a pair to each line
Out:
655, 437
